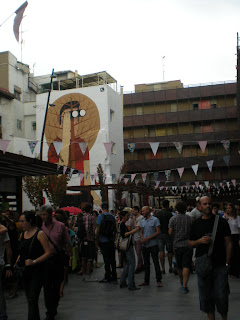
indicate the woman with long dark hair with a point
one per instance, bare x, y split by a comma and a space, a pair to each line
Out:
34, 250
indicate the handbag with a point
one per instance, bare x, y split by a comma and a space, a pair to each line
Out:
20, 271
125, 243
203, 264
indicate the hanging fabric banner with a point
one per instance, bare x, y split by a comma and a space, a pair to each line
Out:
180, 171
210, 164
126, 180
226, 144
144, 176
131, 147
108, 147
154, 146
32, 145
206, 183
167, 174
226, 160
195, 168
71, 173
197, 184
64, 169
155, 174
4, 144
202, 145
234, 182
18, 19
58, 146
133, 176
179, 146
83, 146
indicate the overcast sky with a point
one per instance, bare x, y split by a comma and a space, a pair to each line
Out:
128, 38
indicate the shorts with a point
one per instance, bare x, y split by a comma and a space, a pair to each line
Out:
88, 250
165, 240
183, 257
214, 291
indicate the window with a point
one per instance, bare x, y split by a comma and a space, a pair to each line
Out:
17, 92
111, 115
195, 106
19, 124
34, 125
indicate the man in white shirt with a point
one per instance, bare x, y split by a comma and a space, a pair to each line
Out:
196, 213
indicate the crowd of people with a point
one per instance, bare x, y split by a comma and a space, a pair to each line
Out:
38, 249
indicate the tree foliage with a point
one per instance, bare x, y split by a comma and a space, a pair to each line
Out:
101, 180
33, 187
119, 187
56, 188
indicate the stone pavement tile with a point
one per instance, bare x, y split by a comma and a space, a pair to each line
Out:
95, 301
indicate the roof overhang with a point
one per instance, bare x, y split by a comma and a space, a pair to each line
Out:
14, 165
6, 94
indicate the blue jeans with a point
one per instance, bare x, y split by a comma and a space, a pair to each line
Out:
214, 291
129, 269
3, 314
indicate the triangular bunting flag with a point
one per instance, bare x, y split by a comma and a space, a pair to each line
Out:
131, 147
180, 171
87, 173
202, 145
195, 168
221, 184
154, 146
206, 183
157, 184
108, 147
178, 146
64, 169
81, 177
92, 177
228, 184
167, 174
234, 182
126, 180
70, 173
197, 184
226, 159
4, 144
210, 164
83, 146
144, 176
58, 146
226, 144
32, 145
133, 176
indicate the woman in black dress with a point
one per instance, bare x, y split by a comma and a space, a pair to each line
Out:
34, 250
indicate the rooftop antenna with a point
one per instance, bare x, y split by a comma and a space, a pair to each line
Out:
163, 65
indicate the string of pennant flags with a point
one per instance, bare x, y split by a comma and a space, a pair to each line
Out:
108, 146
179, 145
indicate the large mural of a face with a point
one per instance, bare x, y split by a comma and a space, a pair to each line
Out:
72, 119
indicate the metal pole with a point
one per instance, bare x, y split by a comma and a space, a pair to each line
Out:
45, 117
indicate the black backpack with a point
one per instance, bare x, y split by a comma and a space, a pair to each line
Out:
108, 226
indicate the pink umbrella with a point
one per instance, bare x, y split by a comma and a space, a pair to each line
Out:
72, 210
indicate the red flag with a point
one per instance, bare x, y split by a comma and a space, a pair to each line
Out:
18, 19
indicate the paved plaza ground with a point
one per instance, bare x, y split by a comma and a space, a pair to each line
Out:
95, 301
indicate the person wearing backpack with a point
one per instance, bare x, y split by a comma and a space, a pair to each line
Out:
105, 235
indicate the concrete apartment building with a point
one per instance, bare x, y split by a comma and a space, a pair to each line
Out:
171, 114
90, 114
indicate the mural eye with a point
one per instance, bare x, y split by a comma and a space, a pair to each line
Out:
75, 114
82, 112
